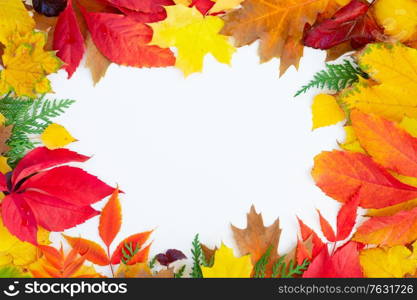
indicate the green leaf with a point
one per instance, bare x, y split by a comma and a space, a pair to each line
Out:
180, 272
336, 77
260, 266
12, 272
197, 256
28, 117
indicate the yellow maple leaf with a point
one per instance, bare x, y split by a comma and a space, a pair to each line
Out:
14, 18
27, 64
193, 35
56, 136
392, 91
14, 251
396, 261
326, 111
226, 265
398, 18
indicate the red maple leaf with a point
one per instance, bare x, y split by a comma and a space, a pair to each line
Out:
39, 192
351, 23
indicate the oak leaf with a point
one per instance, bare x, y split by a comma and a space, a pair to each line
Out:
5, 133
278, 24
256, 239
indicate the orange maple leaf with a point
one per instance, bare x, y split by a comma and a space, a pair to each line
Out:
278, 24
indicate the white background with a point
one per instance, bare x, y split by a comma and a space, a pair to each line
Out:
193, 154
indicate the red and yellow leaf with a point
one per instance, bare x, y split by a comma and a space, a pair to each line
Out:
110, 219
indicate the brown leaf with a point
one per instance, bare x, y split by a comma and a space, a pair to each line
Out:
96, 62
5, 133
208, 252
46, 24
337, 51
255, 239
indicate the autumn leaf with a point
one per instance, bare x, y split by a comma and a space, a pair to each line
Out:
56, 264
398, 17
56, 136
256, 239
27, 65
96, 62
170, 256
226, 265
398, 229
326, 111
346, 218
392, 262
145, 11
344, 263
68, 40
387, 143
15, 252
110, 219
343, 174
351, 142
135, 242
90, 250
14, 19
327, 229
5, 133
184, 28
55, 198
351, 23
392, 89
125, 41
306, 234
278, 24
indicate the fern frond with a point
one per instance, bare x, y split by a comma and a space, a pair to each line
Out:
283, 270
180, 272
336, 77
197, 255
128, 252
260, 266
28, 117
